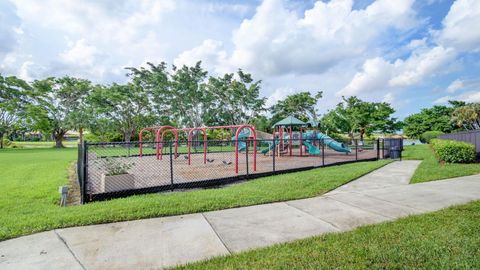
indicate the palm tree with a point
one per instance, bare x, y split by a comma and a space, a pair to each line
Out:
467, 116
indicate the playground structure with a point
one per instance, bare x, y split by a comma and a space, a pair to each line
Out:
283, 133
244, 131
283, 139
171, 158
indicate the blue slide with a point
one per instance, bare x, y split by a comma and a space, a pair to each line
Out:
243, 134
307, 137
337, 146
331, 143
312, 149
277, 142
270, 147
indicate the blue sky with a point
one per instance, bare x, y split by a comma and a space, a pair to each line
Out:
412, 54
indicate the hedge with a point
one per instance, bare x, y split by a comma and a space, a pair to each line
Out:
6, 142
452, 151
427, 136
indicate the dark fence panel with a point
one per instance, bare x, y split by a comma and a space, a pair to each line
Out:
470, 136
110, 170
80, 164
82, 170
392, 148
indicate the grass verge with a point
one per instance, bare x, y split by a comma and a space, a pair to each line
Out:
30, 179
447, 239
430, 169
42, 144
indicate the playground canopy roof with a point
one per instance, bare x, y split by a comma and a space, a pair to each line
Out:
290, 121
313, 123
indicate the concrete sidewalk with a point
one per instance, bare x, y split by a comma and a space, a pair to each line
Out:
163, 242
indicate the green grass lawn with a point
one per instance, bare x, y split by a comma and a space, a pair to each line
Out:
48, 144
30, 180
430, 169
447, 239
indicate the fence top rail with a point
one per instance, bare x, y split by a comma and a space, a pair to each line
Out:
461, 133
217, 141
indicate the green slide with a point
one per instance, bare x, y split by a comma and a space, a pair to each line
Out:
312, 149
243, 134
270, 148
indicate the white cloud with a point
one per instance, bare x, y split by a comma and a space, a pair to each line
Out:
94, 18
461, 26
277, 41
420, 65
9, 28
106, 35
454, 86
460, 32
210, 52
389, 98
443, 100
375, 74
417, 43
471, 96
80, 53
279, 94
24, 71
217, 7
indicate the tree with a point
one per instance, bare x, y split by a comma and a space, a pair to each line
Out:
155, 80
355, 115
59, 106
301, 105
74, 92
103, 129
184, 96
179, 96
333, 122
14, 94
126, 106
456, 103
189, 100
437, 118
261, 123
233, 101
467, 116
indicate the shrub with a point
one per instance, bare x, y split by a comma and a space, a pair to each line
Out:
107, 137
115, 167
6, 142
427, 136
16, 146
454, 151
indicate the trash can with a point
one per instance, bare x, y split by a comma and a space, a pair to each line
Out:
395, 152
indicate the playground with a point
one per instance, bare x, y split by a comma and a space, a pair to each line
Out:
186, 158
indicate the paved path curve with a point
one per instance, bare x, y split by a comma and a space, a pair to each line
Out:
163, 242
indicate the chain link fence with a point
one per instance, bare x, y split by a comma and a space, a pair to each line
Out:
111, 170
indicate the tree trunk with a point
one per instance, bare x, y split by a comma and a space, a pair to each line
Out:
1, 140
350, 134
80, 132
58, 143
58, 136
127, 136
362, 131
